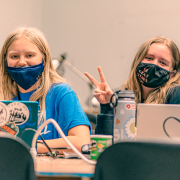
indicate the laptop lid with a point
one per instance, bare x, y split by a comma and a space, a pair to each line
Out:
158, 121
19, 118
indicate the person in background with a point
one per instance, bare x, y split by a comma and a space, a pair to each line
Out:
154, 78
27, 74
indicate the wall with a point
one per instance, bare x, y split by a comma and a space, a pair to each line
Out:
93, 33
19, 12
105, 33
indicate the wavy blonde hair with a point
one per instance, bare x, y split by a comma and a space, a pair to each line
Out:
8, 87
158, 95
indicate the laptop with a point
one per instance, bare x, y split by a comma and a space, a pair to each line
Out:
158, 121
19, 118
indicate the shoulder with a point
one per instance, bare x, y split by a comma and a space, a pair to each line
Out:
60, 90
173, 96
175, 89
61, 87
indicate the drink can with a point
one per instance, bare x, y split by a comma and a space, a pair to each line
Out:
98, 144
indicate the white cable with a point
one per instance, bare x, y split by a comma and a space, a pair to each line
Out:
59, 130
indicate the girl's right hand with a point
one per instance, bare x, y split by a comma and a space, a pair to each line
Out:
102, 92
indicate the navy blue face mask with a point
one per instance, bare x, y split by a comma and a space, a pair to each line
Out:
26, 76
151, 75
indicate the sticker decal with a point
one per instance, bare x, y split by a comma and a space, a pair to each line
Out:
4, 114
130, 106
117, 121
129, 128
18, 115
10, 128
93, 144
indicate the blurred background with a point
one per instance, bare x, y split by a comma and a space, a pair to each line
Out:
92, 33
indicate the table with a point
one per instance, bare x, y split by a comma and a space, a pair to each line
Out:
48, 168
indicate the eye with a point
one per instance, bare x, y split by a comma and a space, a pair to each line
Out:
163, 63
14, 56
29, 55
148, 58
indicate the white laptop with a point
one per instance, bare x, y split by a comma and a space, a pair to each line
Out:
158, 121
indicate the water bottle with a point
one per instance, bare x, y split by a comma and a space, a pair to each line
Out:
124, 115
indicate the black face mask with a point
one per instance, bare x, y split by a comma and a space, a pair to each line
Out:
151, 75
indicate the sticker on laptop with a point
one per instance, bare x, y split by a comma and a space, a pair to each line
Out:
4, 114
10, 128
19, 113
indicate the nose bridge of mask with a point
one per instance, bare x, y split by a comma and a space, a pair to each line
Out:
156, 64
160, 68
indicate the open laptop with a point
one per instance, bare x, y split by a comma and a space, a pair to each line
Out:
19, 118
158, 121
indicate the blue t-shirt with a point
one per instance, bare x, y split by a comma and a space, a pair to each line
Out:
63, 106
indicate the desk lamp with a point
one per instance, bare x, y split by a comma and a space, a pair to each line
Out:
59, 63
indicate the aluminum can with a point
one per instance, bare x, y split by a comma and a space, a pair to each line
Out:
124, 115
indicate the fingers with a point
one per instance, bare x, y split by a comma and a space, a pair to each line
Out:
102, 96
102, 78
109, 92
92, 79
97, 94
97, 91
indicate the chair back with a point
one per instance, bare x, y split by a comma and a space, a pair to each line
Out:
139, 160
16, 162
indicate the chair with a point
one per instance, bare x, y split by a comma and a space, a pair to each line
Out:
16, 162
139, 160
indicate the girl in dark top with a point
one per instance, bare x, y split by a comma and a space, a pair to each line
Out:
154, 78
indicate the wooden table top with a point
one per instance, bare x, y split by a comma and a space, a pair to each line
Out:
47, 166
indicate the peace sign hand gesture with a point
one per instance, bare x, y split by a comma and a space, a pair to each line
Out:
102, 92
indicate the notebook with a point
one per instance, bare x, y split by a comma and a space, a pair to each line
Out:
158, 121
19, 118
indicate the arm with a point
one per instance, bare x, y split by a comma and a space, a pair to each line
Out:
78, 136
63, 106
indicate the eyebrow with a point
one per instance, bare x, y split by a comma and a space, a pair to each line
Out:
165, 60
12, 51
160, 58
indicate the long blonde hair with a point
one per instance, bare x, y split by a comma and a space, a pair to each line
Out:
8, 87
157, 96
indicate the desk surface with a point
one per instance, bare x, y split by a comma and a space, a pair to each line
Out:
47, 166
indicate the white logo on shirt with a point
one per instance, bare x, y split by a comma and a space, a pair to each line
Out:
45, 130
